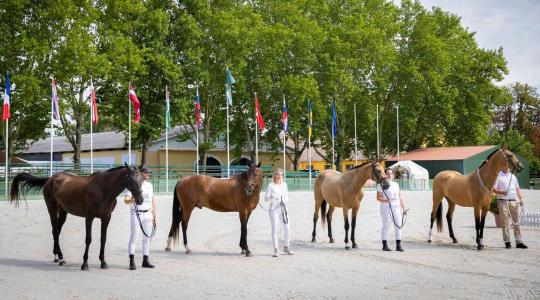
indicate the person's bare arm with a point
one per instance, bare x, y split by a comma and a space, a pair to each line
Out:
380, 197
129, 199
154, 208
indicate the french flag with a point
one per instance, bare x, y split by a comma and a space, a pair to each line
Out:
285, 117
7, 95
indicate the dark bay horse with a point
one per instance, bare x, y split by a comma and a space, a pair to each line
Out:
344, 190
89, 197
239, 193
473, 190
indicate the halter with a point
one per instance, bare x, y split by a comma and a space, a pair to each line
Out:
378, 179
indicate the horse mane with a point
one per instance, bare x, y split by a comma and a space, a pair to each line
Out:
488, 157
113, 169
361, 165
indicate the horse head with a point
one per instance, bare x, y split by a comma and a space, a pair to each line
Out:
254, 178
511, 159
134, 183
378, 175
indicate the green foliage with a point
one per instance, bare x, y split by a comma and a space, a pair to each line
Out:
493, 205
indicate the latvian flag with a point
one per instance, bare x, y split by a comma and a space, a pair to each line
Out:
7, 94
136, 104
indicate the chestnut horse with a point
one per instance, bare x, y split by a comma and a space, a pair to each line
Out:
473, 190
344, 190
89, 197
239, 193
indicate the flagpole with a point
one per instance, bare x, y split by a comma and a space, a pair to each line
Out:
7, 157
52, 135
355, 139
284, 141
333, 137
197, 131
129, 127
167, 122
256, 135
228, 157
397, 134
309, 141
378, 139
91, 127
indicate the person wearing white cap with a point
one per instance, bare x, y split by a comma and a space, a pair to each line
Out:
142, 216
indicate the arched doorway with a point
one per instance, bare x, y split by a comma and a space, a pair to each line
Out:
213, 167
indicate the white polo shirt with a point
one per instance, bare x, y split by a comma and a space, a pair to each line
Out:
507, 182
392, 192
147, 193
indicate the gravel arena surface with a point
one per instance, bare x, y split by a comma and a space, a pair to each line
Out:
216, 270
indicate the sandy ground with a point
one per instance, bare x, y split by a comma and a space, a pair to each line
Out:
215, 269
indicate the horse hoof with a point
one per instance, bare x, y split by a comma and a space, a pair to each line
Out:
331, 241
313, 240
429, 241
454, 241
188, 251
167, 249
104, 265
347, 248
84, 267
482, 246
248, 253
355, 246
479, 247
56, 260
61, 263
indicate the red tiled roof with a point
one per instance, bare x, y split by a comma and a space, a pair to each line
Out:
442, 153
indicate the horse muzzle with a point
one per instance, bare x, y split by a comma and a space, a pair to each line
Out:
249, 190
385, 184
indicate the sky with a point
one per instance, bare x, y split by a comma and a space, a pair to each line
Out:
513, 25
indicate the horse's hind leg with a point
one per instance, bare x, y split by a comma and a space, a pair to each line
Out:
329, 220
353, 226
62, 215
104, 225
449, 215
186, 214
436, 209
53, 215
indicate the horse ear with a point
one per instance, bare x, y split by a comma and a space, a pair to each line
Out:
127, 165
259, 164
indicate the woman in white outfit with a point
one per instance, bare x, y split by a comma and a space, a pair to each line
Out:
277, 194
147, 216
390, 203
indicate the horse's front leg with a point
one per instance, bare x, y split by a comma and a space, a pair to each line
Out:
482, 223
104, 225
244, 217
477, 227
88, 240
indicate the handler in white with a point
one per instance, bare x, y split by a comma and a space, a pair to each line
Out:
278, 195
390, 210
147, 216
509, 200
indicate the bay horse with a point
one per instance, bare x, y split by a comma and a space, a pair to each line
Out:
239, 193
89, 197
473, 190
344, 190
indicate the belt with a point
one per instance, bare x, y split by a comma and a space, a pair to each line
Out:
141, 211
506, 199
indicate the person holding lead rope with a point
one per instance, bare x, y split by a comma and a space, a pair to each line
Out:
390, 203
277, 194
143, 216
509, 201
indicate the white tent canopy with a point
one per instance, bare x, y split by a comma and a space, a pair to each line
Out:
416, 176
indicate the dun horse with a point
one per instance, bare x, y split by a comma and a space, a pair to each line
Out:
89, 197
473, 190
239, 193
344, 190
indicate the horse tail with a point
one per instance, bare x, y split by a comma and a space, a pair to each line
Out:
25, 183
439, 218
323, 213
176, 217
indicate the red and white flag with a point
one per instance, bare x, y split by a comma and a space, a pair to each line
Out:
258, 115
95, 117
136, 104
6, 113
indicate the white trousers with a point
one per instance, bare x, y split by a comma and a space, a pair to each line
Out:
276, 220
387, 220
147, 222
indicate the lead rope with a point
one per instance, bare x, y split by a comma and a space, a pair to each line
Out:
140, 223
403, 215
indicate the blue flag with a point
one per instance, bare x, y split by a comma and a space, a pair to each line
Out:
228, 86
334, 120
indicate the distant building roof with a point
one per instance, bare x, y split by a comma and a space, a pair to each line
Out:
107, 140
442, 153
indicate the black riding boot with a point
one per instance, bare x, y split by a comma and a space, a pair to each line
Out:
146, 263
132, 262
385, 246
398, 246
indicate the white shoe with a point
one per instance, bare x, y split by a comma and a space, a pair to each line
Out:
276, 254
287, 251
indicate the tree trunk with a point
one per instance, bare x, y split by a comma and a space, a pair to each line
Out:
144, 150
